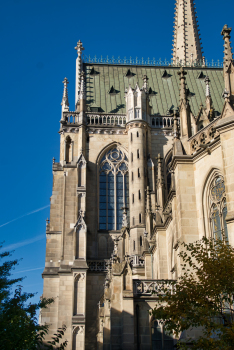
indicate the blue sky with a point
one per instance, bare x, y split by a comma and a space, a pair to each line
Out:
37, 52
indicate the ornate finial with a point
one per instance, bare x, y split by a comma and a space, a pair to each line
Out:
53, 160
176, 132
225, 94
115, 252
227, 44
207, 81
203, 61
125, 217
79, 47
145, 86
79, 66
65, 103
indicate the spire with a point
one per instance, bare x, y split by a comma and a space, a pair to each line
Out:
177, 147
209, 108
228, 65
160, 174
182, 74
82, 98
79, 48
160, 183
176, 132
186, 44
148, 200
227, 45
65, 103
185, 119
82, 87
207, 81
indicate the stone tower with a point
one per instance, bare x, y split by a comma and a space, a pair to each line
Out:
140, 157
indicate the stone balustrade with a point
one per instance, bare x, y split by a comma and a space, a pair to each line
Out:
161, 122
151, 287
106, 119
70, 118
94, 119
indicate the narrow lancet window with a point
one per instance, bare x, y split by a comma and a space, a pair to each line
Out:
218, 208
113, 189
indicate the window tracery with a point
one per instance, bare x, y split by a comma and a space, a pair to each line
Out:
160, 338
113, 189
218, 208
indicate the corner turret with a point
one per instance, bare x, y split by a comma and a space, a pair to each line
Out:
137, 102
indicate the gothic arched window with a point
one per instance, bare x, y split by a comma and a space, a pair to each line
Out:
168, 173
68, 143
113, 189
159, 338
218, 208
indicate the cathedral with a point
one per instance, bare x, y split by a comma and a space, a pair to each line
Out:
146, 161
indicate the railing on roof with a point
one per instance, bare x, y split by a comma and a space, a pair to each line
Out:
106, 119
161, 122
95, 119
70, 118
152, 62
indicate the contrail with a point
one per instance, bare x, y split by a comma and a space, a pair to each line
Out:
23, 243
37, 268
31, 212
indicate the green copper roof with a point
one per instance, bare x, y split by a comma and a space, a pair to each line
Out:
165, 87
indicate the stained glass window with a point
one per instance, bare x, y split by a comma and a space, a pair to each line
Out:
113, 189
224, 221
218, 208
218, 189
216, 224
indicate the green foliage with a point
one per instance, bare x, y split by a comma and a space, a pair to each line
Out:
19, 329
202, 296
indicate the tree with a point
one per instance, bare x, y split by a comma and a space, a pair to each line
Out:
202, 297
19, 329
